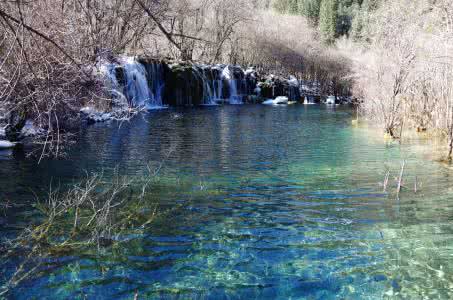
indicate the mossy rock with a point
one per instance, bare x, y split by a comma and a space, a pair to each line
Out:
183, 86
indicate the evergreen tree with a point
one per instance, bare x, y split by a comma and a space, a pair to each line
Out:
328, 20
293, 7
361, 17
334, 17
310, 9
281, 6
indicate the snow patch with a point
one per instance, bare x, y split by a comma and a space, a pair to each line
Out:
277, 101
250, 72
293, 81
30, 129
330, 100
95, 116
6, 144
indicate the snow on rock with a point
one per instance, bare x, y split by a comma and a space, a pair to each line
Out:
88, 110
227, 74
2, 132
30, 129
293, 81
7, 144
250, 72
277, 101
330, 100
281, 100
95, 116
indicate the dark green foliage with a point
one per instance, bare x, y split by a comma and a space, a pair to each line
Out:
328, 20
310, 9
335, 17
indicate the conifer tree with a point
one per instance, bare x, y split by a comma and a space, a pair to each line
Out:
328, 20
310, 9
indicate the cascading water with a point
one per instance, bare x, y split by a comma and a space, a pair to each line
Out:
136, 83
293, 91
209, 97
216, 83
228, 75
142, 85
115, 87
156, 84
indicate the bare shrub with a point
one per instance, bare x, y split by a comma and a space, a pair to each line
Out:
404, 74
49, 50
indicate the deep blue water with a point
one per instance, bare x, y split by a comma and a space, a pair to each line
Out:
257, 203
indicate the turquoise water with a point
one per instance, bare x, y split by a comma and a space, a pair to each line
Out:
257, 203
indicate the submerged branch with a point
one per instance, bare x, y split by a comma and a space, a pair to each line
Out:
92, 214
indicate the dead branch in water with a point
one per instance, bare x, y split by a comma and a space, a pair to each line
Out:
93, 213
400, 179
386, 180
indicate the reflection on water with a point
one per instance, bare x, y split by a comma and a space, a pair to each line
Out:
258, 202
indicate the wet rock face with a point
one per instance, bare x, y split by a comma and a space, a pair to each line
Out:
275, 86
214, 73
238, 73
183, 86
120, 74
251, 79
16, 122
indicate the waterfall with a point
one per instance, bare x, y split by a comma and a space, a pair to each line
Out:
209, 97
118, 97
153, 84
216, 83
228, 75
141, 84
156, 84
309, 100
136, 83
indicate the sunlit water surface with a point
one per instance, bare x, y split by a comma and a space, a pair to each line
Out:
257, 203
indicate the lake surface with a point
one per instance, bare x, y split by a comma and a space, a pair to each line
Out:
257, 203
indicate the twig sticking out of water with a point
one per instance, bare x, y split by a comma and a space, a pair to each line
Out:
386, 181
400, 179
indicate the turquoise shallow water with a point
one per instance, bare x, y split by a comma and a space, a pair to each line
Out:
260, 203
